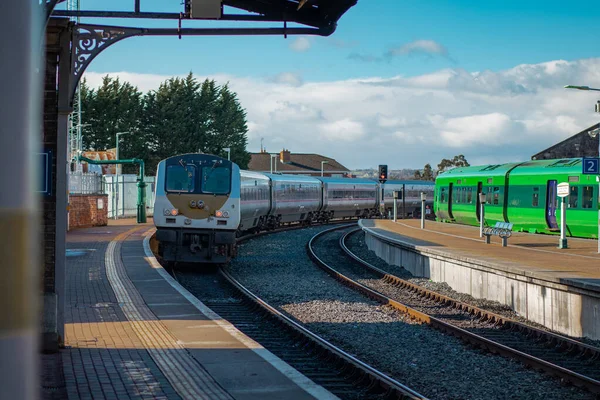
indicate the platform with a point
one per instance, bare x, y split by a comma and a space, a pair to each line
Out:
133, 332
558, 288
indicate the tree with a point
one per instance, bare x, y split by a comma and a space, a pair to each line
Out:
457, 161
113, 107
428, 173
181, 116
418, 175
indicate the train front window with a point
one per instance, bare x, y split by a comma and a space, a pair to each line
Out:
180, 178
216, 179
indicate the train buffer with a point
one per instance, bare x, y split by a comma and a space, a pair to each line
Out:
501, 229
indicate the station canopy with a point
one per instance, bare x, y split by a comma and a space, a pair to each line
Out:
320, 14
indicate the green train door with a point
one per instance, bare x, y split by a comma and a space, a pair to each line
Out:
478, 203
551, 205
450, 185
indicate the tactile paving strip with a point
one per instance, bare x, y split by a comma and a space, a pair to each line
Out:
186, 376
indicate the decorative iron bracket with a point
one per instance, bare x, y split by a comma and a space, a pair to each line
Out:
87, 41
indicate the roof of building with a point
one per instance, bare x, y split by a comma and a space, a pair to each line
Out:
299, 162
583, 146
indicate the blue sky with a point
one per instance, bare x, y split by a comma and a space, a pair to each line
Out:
477, 35
400, 82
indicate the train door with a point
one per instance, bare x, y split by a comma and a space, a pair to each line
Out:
478, 204
551, 205
450, 186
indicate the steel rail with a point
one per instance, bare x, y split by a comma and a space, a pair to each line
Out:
575, 378
566, 343
393, 387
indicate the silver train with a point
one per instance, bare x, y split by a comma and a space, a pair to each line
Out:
201, 217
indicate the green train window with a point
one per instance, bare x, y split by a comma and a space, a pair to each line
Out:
536, 197
470, 195
573, 196
587, 199
490, 181
496, 195
443, 195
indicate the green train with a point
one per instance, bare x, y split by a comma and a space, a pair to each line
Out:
521, 193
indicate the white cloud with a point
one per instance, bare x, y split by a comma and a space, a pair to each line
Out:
420, 46
409, 121
288, 78
300, 44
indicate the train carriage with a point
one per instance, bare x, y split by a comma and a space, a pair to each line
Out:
410, 202
197, 208
255, 200
343, 197
524, 194
293, 198
457, 193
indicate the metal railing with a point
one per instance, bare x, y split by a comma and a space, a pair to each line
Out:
85, 183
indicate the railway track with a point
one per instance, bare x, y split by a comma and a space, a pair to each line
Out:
322, 362
570, 360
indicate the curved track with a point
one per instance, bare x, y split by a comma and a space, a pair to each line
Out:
568, 359
322, 362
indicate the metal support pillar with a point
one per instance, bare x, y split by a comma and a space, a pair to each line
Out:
423, 198
563, 224
64, 109
20, 109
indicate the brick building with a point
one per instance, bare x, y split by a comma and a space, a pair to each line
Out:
581, 144
308, 164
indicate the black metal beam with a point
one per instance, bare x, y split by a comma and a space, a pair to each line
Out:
232, 31
171, 16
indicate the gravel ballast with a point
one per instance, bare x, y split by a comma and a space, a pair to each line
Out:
276, 268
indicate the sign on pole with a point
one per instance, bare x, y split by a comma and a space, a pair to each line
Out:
562, 190
591, 166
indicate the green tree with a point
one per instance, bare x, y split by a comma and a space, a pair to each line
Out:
181, 116
113, 107
428, 173
418, 175
457, 161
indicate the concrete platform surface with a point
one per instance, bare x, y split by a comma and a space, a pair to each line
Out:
527, 254
133, 332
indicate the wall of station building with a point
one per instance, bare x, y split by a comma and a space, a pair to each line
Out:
88, 210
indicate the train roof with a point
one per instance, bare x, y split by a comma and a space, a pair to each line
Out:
478, 170
253, 174
349, 181
409, 182
292, 178
553, 166
549, 167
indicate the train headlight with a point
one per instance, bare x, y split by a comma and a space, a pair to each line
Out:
174, 212
200, 204
187, 221
167, 211
192, 203
222, 214
170, 211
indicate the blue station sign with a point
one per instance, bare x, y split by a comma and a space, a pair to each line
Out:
591, 166
44, 160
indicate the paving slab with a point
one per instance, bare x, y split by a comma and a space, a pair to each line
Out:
132, 332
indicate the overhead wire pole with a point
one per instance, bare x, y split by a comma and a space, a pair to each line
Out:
20, 110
